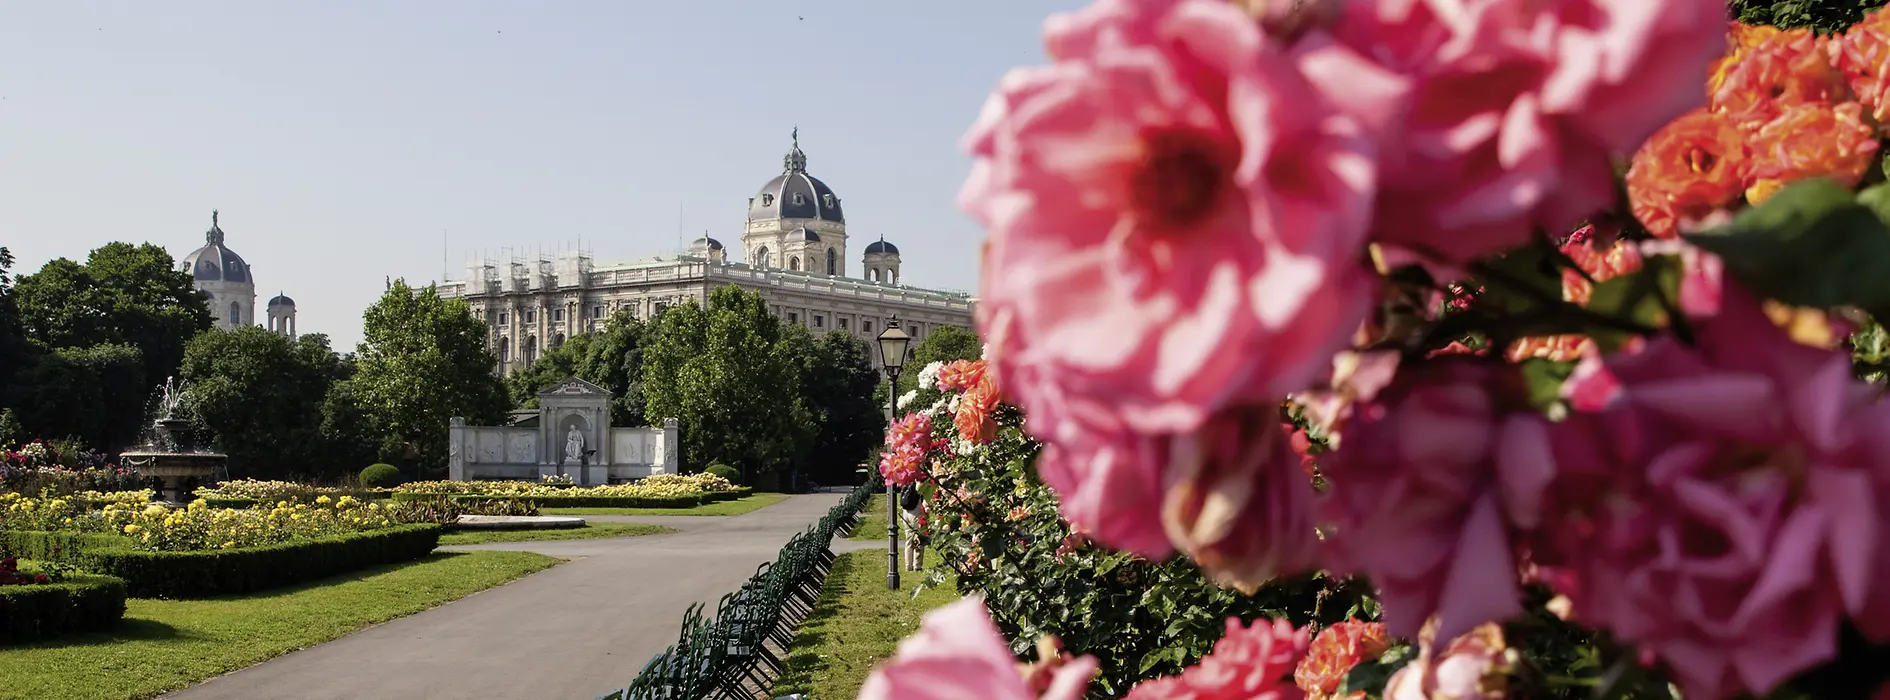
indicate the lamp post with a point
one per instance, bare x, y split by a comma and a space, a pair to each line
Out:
892, 354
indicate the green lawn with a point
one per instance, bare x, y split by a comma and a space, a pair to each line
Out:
872, 520
590, 531
163, 645
739, 506
856, 624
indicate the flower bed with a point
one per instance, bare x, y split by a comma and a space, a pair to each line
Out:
75, 511
79, 603
661, 491
39, 468
202, 573
246, 493
200, 527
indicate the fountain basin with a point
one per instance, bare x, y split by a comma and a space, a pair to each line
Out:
174, 470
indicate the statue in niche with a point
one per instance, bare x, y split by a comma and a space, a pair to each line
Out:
573, 446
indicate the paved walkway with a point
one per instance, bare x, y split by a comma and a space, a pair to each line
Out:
571, 632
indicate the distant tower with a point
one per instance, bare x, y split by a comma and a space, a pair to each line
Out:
882, 262
709, 249
282, 316
220, 273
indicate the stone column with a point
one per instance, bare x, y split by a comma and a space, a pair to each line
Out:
456, 448
672, 448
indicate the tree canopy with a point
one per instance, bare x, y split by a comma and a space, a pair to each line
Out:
423, 360
729, 374
260, 395
838, 381
123, 293
611, 357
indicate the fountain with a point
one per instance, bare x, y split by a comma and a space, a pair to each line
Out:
169, 449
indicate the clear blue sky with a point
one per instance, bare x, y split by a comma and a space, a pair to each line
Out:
342, 138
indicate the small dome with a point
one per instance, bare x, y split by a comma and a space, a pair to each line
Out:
808, 234
281, 300
881, 246
707, 242
213, 262
794, 194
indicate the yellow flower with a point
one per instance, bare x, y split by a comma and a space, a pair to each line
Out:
323, 500
132, 529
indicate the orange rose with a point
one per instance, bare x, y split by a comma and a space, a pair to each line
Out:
1811, 140
1862, 54
1692, 167
1620, 257
973, 418
1555, 348
1334, 653
1740, 38
1786, 69
960, 374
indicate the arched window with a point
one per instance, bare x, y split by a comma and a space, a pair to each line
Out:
505, 349
872, 274
798, 199
531, 349
767, 200
236, 314
557, 340
833, 261
794, 263
761, 258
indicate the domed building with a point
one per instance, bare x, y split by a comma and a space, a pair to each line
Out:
794, 249
282, 315
795, 222
222, 275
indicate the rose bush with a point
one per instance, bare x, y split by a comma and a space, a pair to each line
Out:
1573, 424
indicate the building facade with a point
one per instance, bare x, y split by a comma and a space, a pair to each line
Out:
230, 286
795, 247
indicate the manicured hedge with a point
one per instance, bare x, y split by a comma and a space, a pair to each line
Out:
81, 603
218, 572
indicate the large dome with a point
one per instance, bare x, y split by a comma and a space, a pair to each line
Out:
794, 194
213, 262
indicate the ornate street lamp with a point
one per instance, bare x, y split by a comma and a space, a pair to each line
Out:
892, 354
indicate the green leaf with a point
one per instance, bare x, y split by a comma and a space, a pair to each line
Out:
1544, 379
1520, 278
1813, 245
1641, 297
1371, 676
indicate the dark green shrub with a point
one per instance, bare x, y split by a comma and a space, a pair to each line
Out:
80, 603
201, 574
733, 475
380, 476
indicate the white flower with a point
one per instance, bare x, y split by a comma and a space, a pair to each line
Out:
953, 406
907, 398
939, 406
928, 377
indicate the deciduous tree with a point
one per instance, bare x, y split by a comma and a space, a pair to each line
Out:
725, 373
423, 361
260, 394
123, 293
611, 358
838, 382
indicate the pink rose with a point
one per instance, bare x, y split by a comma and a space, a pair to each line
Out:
1232, 496
1519, 106
1237, 501
903, 462
957, 653
1249, 663
1177, 221
1474, 666
1718, 508
1431, 488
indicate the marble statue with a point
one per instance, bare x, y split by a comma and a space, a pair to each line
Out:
574, 445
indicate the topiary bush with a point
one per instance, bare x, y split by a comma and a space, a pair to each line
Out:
380, 476
725, 471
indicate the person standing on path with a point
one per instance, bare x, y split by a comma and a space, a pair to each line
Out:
911, 515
